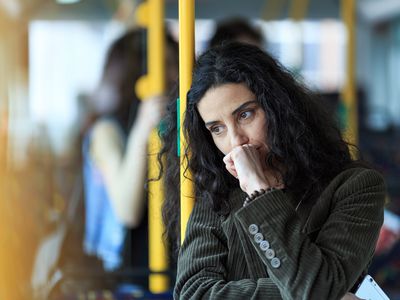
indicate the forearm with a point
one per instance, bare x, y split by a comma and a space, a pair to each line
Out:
304, 272
324, 268
202, 271
124, 167
127, 187
203, 287
202, 265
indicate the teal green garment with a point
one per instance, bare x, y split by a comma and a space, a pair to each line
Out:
322, 248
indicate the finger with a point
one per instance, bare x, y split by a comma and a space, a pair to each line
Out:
230, 165
235, 153
232, 171
243, 149
250, 148
228, 158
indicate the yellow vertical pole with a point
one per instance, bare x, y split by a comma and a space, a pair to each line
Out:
273, 9
186, 59
349, 90
158, 259
298, 9
151, 15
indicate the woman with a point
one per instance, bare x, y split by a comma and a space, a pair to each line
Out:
281, 211
115, 156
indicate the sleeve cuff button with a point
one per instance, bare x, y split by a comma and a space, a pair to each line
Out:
264, 245
258, 238
253, 229
270, 253
275, 263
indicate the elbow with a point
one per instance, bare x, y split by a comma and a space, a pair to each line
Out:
128, 212
130, 220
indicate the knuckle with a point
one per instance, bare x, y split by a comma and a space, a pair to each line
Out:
236, 151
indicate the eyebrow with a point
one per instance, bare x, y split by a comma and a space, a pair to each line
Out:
241, 107
244, 105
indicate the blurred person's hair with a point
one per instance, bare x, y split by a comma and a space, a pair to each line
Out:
236, 29
124, 65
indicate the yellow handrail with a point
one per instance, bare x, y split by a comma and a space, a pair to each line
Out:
150, 14
186, 59
349, 90
298, 9
272, 9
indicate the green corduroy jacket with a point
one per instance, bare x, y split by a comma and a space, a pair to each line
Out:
270, 250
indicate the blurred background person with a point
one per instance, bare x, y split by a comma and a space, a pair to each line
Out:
115, 158
114, 154
112, 221
239, 30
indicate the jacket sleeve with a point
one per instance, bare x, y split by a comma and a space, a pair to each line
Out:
202, 264
327, 267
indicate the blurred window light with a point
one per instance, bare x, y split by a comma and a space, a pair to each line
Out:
315, 50
66, 59
379, 11
67, 1
382, 85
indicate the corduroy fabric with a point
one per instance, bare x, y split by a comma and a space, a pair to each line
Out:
323, 248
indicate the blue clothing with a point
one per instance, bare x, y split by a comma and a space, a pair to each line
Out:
104, 233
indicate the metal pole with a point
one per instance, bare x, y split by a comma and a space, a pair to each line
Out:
349, 90
151, 15
186, 59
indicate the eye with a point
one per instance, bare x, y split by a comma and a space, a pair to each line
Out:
245, 114
216, 129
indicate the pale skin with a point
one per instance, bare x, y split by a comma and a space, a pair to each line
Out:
237, 124
124, 168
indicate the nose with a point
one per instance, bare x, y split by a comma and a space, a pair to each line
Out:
238, 137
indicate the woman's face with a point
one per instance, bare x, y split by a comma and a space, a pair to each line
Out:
234, 117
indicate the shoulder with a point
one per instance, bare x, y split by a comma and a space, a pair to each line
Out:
203, 225
355, 179
106, 128
203, 213
106, 136
354, 192
354, 185
106, 131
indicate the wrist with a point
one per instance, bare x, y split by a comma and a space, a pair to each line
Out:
257, 186
256, 194
143, 125
142, 128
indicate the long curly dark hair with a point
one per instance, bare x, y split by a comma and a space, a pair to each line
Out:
305, 145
